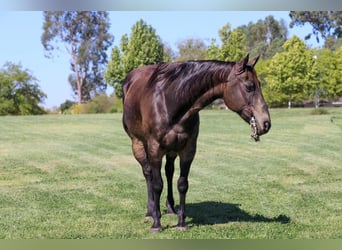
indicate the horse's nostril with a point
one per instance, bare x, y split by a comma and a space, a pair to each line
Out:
267, 126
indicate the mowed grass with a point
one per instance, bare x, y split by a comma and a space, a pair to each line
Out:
75, 177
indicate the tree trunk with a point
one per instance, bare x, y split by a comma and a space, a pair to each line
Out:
289, 103
79, 79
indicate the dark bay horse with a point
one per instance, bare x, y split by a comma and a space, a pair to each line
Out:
161, 105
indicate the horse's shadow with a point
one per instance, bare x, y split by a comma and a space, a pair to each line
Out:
211, 212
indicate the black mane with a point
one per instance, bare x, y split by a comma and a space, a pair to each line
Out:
191, 77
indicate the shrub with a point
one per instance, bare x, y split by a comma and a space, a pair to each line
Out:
319, 111
99, 104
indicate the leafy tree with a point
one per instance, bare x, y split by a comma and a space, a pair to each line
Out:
66, 105
265, 37
233, 46
338, 56
19, 92
329, 65
324, 23
86, 37
142, 47
291, 74
262, 71
169, 54
191, 49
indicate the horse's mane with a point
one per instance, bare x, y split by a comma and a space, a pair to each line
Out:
187, 78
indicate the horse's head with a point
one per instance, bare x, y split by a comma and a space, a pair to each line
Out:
243, 95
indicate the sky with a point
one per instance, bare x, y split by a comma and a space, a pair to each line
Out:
21, 31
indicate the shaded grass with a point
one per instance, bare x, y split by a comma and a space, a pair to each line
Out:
75, 177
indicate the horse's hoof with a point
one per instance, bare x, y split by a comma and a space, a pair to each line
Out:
156, 229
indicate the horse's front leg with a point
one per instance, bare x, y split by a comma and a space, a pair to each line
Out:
169, 171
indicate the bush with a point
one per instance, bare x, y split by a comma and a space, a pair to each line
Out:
319, 111
99, 104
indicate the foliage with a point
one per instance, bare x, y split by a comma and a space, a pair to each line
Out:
324, 23
191, 49
98, 105
66, 105
319, 111
142, 47
291, 73
20, 93
233, 46
265, 37
329, 66
86, 37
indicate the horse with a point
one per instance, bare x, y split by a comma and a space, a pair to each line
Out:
161, 105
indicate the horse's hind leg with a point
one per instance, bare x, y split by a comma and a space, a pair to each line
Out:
185, 163
169, 171
139, 152
186, 157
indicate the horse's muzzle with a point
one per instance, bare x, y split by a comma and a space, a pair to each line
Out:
257, 131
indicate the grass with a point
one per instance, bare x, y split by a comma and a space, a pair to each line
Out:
75, 177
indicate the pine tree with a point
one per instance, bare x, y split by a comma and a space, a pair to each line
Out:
142, 47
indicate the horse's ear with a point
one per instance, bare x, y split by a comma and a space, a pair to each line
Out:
241, 65
255, 61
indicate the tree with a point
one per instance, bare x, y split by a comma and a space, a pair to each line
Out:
86, 37
332, 43
292, 74
191, 49
324, 23
233, 46
66, 105
19, 92
265, 37
142, 47
329, 66
338, 86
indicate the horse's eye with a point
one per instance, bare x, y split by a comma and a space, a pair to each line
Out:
250, 87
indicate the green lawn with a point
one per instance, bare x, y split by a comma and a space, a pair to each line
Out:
75, 177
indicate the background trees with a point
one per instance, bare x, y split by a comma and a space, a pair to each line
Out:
19, 92
288, 69
291, 74
329, 68
142, 47
265, 37
233, 45
191, 49
86, 38
324, 23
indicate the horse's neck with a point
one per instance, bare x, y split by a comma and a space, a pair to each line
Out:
202, 88
204, 100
